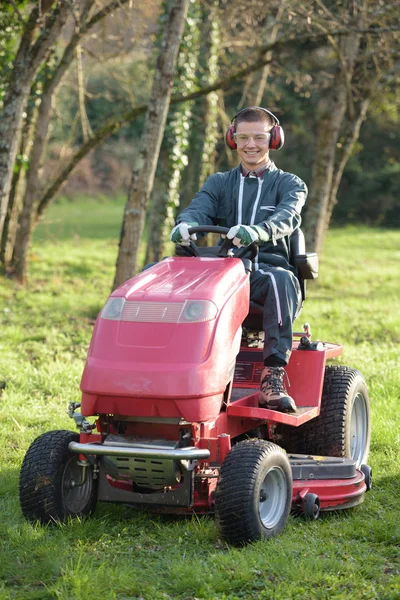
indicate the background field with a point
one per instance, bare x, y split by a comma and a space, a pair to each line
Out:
121, 554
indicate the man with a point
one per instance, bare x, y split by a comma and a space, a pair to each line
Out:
261, 204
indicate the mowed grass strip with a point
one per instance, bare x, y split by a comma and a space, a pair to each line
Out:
120, 553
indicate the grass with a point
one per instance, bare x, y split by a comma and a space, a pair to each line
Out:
122, 554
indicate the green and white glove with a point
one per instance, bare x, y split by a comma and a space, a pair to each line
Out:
180, 233
244, 235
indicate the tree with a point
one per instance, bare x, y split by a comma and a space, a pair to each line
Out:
356, 64
191, 129
48, 81
330, 112
242, 54
40, 31
150, 143
173, 156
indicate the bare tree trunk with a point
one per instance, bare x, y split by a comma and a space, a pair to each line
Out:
267, 68
10, 222
348, 146
31, 53
191, 149
204, 131
18, 264
18, 187
330, 114
158, 209
211, 52
153, 131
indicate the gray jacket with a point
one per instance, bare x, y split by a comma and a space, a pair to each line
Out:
273, 200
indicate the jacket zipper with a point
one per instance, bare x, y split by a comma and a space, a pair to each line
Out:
255, 208
256, 203
240, 200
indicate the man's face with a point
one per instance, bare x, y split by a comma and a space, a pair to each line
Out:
253, 152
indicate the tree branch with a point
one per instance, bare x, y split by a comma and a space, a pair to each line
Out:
113, 124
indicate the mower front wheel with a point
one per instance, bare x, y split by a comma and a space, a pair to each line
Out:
53, 485
311, 507
366, 469
254, 492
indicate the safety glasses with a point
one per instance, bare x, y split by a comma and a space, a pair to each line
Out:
260, 139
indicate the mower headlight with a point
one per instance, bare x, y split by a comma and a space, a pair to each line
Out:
197, 311
113, 309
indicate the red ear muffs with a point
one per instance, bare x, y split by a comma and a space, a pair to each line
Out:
277, 135
277, 138
229, 137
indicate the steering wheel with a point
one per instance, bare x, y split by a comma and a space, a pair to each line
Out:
249, 252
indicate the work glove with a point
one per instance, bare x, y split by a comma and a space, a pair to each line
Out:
180, 233
244, 235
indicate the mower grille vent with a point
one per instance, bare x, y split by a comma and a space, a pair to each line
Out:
152, 312
154, 473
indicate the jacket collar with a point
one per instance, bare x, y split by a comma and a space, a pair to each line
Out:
256, 172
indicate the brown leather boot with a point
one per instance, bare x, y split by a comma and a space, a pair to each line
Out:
273, 394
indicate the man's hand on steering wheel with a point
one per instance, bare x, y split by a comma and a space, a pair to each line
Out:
220, 251
180, 233
244, 235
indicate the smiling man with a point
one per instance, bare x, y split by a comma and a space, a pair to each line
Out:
259, 204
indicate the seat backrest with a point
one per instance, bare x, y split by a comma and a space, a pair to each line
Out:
297, 245
306, 264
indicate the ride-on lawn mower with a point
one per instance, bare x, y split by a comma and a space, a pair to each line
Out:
172, 379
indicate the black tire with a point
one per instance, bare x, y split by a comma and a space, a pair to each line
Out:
366, 469
287, 437
311, 507
343, 427
254, 492
46, 491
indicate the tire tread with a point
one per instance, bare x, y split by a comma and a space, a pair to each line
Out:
326, 435
39, 482
234, 500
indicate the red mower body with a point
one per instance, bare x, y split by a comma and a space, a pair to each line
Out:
157, 370
152, 362
156, 363
173, 385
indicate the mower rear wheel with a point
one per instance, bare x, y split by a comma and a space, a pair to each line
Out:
51, 485
343, 427
254, 492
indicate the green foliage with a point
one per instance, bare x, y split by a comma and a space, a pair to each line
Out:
121, 553
212, 71
371, 198
21, 163
369, 191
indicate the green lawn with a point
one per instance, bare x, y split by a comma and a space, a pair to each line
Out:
121, 554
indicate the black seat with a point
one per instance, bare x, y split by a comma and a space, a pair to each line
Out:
306, 264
